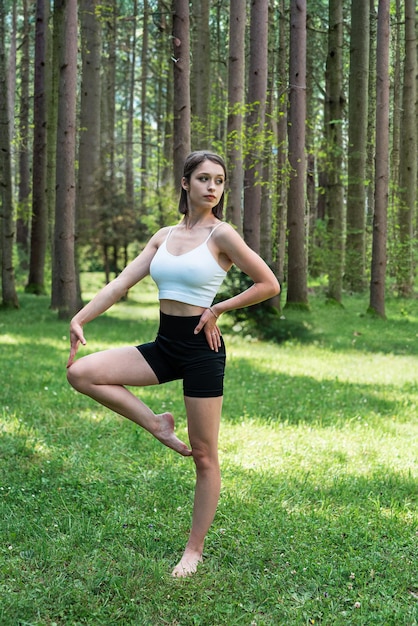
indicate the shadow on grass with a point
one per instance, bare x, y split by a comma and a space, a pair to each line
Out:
292, 399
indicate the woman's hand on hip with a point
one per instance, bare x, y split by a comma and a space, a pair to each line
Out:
207, 323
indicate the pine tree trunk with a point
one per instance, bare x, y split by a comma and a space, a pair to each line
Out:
89, 134
39, 230
297, 288
281, 147
200, 73
181, 103
144, 66
236, 90
378, 267
24, 209
8, 287
357, 146
333, 127
256, 103
64, 234
408, 158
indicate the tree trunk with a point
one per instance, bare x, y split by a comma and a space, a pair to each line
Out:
334, 100
236, 90
108, 191
378, 267
129, 165
371, 115
8, 287
396, 42
144, 65
64, 234
281, 147
408, 158
357, 146
39, 231
200, 75
256, 103
89, 136
181, 103
24, 209
266, 208
297, 288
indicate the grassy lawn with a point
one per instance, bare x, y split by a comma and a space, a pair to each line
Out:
317, 522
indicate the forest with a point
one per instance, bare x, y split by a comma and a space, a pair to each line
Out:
314, 108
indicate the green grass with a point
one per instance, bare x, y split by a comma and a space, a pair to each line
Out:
317, 522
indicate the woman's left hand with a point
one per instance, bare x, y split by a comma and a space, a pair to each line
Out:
207, 323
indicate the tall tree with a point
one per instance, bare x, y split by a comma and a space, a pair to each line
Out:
378, 266
144, 67
89, 134
24, 209
39, 230
408, 157
266, 204
108, 192
256, 105
357, 145
64, 233
236, 92
282, 81
297, 280
181, 69
397, 47
200, 74
129, 165
371, 114
334, 101
7, 233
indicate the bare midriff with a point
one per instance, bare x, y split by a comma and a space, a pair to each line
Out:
181, 309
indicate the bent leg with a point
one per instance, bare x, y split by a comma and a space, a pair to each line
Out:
103, 376
203, 422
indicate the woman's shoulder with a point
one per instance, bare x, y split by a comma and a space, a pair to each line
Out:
160, 235
225, 232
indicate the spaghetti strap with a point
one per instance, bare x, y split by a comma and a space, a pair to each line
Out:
212, 231
168, 234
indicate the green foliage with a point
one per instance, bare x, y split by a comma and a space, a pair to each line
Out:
262, 321
317, 519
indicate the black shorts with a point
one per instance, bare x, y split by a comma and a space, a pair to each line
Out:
177, 353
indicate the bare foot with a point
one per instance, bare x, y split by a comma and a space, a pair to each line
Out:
165, 433
188, 564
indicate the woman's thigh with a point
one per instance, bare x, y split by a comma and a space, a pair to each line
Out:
203, 420
117, 366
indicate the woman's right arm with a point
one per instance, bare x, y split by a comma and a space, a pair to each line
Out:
112, 293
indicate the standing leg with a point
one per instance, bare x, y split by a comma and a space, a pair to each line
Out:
103, 377
203, 416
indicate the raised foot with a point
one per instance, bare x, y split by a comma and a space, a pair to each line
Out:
187, 565
165, 434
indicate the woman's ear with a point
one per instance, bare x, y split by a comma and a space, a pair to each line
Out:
185, 183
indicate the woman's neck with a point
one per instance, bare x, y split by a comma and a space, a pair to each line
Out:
193, 221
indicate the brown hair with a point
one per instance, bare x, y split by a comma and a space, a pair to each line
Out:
191, 163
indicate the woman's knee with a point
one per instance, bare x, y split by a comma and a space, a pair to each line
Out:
205, 458
75, 376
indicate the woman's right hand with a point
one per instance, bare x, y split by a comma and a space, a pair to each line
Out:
76, 337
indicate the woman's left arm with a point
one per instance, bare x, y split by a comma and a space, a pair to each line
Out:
234, 251
265, 284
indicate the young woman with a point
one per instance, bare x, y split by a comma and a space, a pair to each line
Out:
188, 262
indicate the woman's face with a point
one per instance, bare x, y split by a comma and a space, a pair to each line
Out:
206, 185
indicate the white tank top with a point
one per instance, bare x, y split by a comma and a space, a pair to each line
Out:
193, 277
